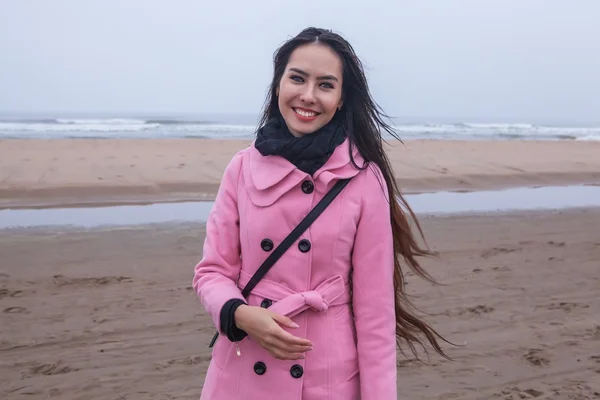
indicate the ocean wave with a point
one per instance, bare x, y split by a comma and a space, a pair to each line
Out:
589, 137
491, 131
116, 126
110, 121
75, 126
175, 128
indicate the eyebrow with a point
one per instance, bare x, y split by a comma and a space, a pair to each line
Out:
324, 77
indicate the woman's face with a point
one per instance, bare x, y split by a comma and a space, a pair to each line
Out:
310, 90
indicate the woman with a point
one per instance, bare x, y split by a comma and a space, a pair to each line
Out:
325, 320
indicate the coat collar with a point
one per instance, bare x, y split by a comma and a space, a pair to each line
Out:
267, 178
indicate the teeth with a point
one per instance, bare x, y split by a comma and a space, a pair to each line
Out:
305, 113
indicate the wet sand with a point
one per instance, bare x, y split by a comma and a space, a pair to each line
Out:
70, 172
110, 314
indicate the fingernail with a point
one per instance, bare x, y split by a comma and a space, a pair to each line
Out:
295, 325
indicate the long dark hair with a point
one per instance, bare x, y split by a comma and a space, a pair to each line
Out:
363, 120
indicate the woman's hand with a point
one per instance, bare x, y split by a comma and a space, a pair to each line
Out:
263, 327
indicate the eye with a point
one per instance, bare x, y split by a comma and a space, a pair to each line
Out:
327, 85
297, 78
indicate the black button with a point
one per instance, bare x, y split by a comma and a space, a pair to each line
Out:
297, 371
308, 187
260, 368
266, 244
304, 245
266, 303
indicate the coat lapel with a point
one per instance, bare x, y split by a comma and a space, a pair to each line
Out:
339, 165
267, 178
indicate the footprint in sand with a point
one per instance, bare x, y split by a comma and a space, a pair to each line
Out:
575, 389
594, 332
182, 361
499, 250
407, 363
536, 357
504, 268
533, 392
15, 310
10, 293
514, 393
188, 360
477, 310
49, 369
556, 244
61, 280
566, 306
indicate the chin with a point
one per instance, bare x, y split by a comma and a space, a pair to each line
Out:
304, 128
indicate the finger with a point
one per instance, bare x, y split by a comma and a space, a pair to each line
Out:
285, 321
275, 343
297, 349
276, 332
291, 340
285, 347
284, 355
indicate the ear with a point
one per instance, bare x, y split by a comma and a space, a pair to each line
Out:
341, 103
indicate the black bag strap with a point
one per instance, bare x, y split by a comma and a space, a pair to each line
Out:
290, 239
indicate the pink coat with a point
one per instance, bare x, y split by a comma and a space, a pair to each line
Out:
336, 282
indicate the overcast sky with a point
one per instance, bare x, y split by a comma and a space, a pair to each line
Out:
512, 60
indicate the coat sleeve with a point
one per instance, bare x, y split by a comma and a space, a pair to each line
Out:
373, 291
216, 274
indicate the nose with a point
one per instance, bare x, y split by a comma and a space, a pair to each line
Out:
308, 94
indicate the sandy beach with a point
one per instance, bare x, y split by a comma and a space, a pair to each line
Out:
110, 313
63, 172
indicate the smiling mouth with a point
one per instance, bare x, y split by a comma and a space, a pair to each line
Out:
305, 113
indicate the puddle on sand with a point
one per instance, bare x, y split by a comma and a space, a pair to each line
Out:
525, 198
426, 203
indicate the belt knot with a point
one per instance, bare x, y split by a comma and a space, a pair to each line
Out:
314, 300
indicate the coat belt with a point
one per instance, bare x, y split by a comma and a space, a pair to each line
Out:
331, 292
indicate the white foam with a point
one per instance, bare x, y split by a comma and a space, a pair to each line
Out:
525, 131
110, 121
141, 128
75, 127
590, 137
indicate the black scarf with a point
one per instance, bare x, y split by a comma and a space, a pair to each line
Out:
308, 152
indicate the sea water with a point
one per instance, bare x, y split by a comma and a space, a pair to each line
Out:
226, 126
